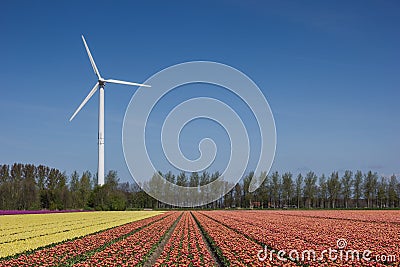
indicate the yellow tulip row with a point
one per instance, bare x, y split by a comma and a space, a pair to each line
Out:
19, 233
17, 230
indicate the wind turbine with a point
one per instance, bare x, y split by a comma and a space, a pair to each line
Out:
101, 82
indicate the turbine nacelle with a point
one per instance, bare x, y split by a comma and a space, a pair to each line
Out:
102, 82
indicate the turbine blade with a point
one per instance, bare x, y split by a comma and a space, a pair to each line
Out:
127, 83
91, 93
96, 71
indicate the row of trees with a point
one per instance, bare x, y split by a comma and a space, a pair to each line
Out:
26, 186
352, 190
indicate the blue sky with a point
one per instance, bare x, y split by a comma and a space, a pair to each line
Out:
330, 71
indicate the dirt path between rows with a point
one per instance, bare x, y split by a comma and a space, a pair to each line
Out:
212, 252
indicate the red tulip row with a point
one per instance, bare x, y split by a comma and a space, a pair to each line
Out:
134, 249
233, 248
72, 249
281, 232
186, 246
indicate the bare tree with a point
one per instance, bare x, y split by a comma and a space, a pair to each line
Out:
310, 188
370, 187
299, 186
347, 184
334, 188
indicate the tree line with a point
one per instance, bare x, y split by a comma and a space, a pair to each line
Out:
30, 187
351, 190
27, 187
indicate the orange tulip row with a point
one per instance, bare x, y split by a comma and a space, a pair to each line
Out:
186, 246
134, 249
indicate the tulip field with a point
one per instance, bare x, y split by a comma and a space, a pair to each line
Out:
202, 238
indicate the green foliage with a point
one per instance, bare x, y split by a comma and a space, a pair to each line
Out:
108, 196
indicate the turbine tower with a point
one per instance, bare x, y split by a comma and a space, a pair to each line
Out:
101, 82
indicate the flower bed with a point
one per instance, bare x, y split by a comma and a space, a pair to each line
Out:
186, 246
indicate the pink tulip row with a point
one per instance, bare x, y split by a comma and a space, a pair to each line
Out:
69, 250
279, 231
186, 246
233, 248
134, 249
378, 216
